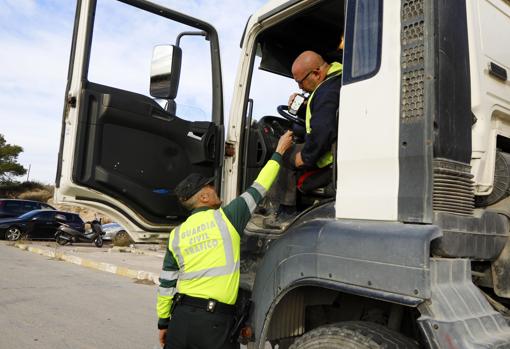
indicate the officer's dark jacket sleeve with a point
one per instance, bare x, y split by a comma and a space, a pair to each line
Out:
239, 210
323, 123
166, 290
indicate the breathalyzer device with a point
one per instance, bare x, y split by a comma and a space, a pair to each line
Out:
297, 102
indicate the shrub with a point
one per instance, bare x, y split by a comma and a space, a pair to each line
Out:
42, 195
15, 190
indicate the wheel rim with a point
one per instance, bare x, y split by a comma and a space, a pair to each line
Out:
61, 240
13, 234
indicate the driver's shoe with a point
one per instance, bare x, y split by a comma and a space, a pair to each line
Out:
281, 219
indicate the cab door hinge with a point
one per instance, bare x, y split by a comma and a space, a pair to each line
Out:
230, 150
71, 101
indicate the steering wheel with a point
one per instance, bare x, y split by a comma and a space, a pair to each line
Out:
283, 110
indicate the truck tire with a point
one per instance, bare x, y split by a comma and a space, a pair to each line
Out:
353, 335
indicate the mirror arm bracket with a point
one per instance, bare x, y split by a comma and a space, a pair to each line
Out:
196, 33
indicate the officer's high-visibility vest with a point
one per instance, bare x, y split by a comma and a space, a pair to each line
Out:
334, 70
207, 248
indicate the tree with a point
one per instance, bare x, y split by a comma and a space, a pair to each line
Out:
9, 167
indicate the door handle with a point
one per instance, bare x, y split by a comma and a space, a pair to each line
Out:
194, 136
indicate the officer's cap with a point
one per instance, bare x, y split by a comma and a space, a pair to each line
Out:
190, 185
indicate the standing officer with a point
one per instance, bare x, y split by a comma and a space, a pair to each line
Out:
200, 277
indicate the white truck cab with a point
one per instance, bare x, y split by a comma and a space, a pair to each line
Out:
412, 248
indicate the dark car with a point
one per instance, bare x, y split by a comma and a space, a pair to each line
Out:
16, 207
37, 224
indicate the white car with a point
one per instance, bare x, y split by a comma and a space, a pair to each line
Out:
112, 230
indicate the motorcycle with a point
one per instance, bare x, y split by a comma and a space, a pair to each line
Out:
67, 235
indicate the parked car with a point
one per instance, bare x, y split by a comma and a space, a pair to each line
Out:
113, 230
15, 207
37, 224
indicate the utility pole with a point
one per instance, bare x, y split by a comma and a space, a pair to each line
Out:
28, 172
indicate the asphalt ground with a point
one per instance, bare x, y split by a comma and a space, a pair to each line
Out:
141, 261
49, 304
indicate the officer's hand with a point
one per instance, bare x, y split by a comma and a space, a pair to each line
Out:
162, 337
284, 143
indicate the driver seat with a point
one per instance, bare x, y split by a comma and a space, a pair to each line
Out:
315, 181
319, 182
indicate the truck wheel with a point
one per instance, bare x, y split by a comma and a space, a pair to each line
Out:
353, 335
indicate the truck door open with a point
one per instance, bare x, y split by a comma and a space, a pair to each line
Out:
122, 151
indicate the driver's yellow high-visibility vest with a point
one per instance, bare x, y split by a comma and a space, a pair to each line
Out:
334, 70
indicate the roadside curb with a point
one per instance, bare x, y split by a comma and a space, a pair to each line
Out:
134, 250
102, 266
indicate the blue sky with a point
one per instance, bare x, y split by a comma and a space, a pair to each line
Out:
36, 39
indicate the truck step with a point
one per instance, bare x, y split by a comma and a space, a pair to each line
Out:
457, 314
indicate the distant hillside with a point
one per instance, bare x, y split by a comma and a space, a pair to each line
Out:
27, 191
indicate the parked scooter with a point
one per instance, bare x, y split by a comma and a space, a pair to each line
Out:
67, 235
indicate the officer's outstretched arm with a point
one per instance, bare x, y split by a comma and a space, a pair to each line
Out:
240, 209
269, 172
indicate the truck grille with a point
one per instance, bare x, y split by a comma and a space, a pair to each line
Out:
412, 59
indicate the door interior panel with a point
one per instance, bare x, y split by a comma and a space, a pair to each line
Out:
137, 152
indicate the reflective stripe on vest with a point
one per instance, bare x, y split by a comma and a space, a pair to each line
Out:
259, 188
250, 201
196, 245
334, 70
168, 275
167, 292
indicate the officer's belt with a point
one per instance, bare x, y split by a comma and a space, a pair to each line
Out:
208, 305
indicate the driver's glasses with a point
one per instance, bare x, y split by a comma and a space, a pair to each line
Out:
306, 76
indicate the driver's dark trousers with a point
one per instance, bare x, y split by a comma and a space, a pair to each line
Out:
290, 179
194, 328
283, 192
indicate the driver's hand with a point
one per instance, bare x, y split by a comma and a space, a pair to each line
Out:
284, 143
291, 98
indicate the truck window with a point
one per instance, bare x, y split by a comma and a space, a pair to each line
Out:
125, 64
363, 40
265, 103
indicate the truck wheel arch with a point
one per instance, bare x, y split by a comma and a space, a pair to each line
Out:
310, 303
325, 253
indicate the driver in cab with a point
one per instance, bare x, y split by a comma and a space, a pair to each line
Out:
312, 160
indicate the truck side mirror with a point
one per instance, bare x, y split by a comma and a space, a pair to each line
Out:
165, 71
